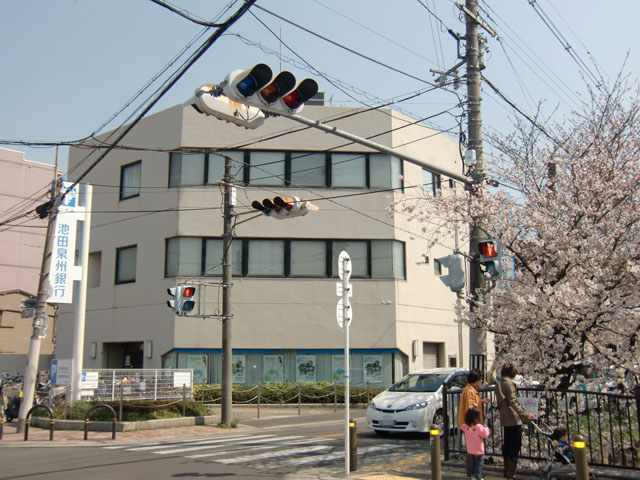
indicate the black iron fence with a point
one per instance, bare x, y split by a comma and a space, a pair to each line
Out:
608, 421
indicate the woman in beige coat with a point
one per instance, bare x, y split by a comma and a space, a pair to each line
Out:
512, 417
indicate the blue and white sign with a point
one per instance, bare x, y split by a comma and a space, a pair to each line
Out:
60, 372
62, 269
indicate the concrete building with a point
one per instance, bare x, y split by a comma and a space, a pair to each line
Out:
157, 222
23, 186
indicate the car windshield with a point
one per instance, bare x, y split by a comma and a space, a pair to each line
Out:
426, 382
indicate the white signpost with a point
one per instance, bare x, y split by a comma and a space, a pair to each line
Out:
344, 316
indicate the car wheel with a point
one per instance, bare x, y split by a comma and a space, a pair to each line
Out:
438, 419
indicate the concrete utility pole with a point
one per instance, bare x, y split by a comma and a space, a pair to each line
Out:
229, 200
40, 317
477, 340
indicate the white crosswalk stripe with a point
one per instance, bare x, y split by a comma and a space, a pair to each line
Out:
267, 451
274, 454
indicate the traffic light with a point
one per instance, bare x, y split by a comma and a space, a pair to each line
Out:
284, 207
490, 253
456, 278
183, 301
258, 88
224, 108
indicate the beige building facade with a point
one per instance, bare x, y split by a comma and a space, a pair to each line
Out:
157, 222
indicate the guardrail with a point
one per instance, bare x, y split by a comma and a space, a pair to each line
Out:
329, 394
608, 421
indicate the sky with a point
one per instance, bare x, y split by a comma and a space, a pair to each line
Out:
70, 65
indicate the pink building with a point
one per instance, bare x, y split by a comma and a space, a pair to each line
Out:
23, 186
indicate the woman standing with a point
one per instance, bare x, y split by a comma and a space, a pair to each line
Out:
512, 417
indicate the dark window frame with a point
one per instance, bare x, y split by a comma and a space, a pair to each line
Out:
123, 168
117, 272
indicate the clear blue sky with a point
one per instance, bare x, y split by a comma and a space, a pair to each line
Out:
69, 65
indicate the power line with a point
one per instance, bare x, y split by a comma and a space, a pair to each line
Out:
185, 14
565, 44
194, 58
343, 47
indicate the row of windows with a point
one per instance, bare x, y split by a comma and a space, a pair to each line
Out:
194, 256
297, 169
346, 170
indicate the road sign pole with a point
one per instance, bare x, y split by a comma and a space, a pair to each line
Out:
345, 315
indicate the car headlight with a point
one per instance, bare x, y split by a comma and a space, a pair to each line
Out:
372, 405
418, 405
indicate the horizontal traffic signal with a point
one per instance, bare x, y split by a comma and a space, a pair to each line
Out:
258, 87
283, 207
490, 254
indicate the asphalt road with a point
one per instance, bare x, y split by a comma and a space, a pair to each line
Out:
275, 448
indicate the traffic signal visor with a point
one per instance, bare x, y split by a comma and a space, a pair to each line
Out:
240, 85
282, 207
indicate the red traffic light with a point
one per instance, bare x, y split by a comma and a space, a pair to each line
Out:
306, 89
188, 292
488, 249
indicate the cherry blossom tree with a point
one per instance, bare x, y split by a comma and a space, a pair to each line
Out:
568, 212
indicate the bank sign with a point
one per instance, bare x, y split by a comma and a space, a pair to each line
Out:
62, 269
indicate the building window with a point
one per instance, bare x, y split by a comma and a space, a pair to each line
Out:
126, 264
349, 170
267, 168
431, 182
387, 259
308, 169
130, 180
266, 258
312, 258
213, 257
95, 269
308, 258
385, 171
183, 257
186, 169
358, 251
215, 165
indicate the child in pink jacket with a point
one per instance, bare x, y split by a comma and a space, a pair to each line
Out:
474, 435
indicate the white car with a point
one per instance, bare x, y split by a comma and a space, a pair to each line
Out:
414, 403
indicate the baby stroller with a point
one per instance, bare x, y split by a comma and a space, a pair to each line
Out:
558, 464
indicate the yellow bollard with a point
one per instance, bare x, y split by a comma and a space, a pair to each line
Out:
580, 452
436, 468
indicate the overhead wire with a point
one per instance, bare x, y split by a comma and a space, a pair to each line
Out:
190, 62
565, 44
536, 65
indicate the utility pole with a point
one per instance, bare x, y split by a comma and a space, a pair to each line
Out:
227, 257
477, 338
40, 318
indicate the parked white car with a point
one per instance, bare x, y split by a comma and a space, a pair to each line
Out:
414, 403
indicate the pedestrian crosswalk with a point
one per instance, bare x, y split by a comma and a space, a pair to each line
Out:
263, 451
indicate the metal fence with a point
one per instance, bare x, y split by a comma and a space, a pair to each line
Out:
608, 421
132, 384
